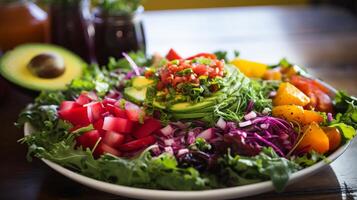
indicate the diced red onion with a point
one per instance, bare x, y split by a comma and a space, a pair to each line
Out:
169, 142
191, 137
244, 124
329, 117
167, 130
206, 134
182, 151
264, 126
169, 150
132, 64
221, 123
250, 115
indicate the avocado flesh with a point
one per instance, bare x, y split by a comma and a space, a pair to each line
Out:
135, 95
13, 66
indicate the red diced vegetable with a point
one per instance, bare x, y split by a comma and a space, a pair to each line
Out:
104, 148
173, 55
113, 139
206, 134
88, 139
116, 111
98, 125
117, 124
83, 99
149, 126
67, 105
138, 144
76, 116
133, 112
95, 111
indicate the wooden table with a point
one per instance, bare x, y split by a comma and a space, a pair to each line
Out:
322, 39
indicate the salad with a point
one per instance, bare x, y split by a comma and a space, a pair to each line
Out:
193, 123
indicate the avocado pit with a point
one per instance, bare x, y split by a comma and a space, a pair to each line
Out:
47, 65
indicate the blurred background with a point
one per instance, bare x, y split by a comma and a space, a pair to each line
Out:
312, 33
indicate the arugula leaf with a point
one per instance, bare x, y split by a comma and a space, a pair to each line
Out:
238, 170
308, 159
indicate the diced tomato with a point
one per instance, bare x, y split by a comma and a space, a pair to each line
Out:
83, 99
88, 139
116, 111
138, 144
117, 124
133, 112
324, 102
98, 125
103, 148
67, 105
201, 70
95, 111
318, 94
76, 116
149, 126
173, 55
113, 139
205, 55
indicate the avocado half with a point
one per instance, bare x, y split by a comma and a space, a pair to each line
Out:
13, 67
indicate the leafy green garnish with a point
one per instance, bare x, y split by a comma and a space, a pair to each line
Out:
238, 170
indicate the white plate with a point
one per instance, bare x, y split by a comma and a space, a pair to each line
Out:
226, 193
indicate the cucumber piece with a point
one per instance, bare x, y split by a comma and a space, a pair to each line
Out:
135, 95
140, 82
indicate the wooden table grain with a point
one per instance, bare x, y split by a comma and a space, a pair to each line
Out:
322, 39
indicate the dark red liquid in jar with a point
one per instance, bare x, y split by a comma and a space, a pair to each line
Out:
70, 24
115, 34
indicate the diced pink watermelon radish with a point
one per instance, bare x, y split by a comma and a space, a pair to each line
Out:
116, 111
76, 116
113, 139
95, 111
149, 126
138, 144
98, 125
83, 99
103, 148
117, 124
88, 139
67, 105
133, 112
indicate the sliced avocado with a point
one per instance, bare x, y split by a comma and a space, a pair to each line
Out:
135, 95
159, 105
195, 115
189, 107
140, 82
14, 67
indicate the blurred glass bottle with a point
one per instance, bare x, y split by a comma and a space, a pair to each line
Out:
21, 21
116, 33
71, 26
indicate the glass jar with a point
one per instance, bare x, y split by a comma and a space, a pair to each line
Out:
117, 33
71, 27
21, 21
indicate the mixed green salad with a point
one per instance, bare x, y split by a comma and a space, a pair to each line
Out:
193, 123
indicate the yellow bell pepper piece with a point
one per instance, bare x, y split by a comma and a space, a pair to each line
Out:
250, 68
